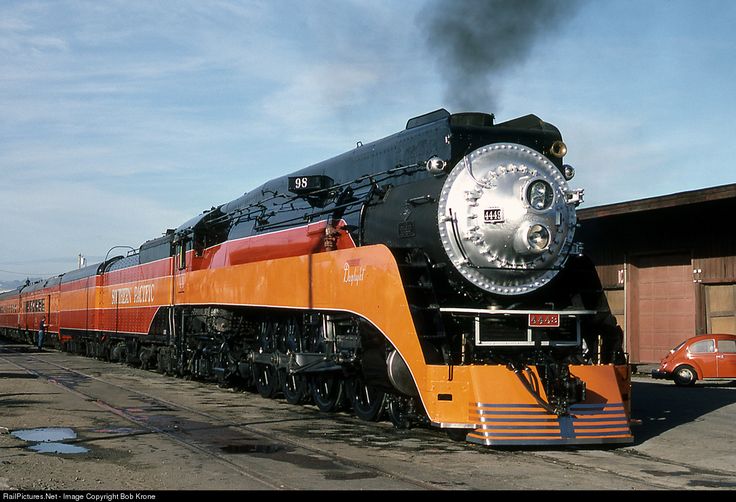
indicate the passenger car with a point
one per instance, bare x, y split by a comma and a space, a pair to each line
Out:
699, 357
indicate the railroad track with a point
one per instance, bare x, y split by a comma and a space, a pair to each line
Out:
248, 435
195, 429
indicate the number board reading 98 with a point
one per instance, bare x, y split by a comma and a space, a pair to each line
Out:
307, 184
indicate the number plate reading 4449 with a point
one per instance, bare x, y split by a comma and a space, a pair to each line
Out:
544, 320
493, 215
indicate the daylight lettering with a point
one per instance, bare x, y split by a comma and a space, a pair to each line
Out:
353, 275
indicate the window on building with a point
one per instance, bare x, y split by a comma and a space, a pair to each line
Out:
720, 305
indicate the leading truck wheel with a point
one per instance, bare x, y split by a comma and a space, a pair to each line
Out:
399, 411
685, 376
458, 434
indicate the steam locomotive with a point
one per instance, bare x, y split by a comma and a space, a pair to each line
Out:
431, 276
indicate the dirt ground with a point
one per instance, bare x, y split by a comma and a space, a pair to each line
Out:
144, 431
120, 455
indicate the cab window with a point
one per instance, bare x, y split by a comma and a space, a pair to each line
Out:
703, 347
181, 251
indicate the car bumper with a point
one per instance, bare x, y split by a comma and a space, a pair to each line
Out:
662, 375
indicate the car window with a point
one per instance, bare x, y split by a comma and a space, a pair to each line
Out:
726, 345
703, 346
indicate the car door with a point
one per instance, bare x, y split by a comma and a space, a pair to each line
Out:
703, 354
726, 358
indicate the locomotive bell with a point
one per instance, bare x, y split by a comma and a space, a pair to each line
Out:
505, 219
558, 149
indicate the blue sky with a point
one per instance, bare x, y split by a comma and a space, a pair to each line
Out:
119, 119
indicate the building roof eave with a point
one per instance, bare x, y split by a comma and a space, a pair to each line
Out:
661, 202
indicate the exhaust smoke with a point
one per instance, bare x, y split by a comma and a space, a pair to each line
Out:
475, 41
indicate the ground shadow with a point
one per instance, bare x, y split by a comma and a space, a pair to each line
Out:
662, 407
7, 347
17, 375
6, 404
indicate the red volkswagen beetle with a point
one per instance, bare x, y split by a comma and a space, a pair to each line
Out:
699, 357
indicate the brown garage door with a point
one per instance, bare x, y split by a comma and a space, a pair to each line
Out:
664, 305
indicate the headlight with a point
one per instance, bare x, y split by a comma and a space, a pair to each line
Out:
539, 195
538, 238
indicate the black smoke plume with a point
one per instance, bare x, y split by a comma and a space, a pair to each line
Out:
476, 41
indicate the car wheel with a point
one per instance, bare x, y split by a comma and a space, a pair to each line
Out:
685, 375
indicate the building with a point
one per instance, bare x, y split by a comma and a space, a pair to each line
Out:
668, 266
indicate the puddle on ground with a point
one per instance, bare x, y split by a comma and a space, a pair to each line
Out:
45, 434
57, 448
48, 440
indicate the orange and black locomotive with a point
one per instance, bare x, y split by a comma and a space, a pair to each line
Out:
432, 276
